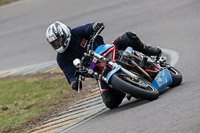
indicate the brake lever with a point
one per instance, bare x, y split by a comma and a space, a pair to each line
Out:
79, 84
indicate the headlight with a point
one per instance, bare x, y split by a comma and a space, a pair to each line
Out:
77, 63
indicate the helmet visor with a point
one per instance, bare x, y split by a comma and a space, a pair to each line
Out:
56, 44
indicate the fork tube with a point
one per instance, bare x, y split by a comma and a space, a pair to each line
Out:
129, 73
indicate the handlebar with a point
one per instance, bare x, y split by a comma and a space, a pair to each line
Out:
93, 37
87, 52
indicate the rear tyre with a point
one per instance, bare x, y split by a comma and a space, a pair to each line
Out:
176, 76
139, 88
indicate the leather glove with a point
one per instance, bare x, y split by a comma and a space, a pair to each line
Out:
97, 26
75, 85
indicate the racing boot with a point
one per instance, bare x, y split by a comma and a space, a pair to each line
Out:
137, 44
152, 51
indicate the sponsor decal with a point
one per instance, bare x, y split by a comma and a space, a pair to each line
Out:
83, 42
159, 80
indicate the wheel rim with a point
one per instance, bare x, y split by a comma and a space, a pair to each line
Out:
140, 83
173, 71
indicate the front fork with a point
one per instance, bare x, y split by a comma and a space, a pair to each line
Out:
115, 69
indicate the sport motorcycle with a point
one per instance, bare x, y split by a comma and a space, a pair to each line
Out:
128, 71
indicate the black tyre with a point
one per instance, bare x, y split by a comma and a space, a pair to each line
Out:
176, 76
139, 89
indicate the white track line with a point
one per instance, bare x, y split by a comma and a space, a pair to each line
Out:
173, 55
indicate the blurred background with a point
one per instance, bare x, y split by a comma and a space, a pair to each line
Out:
23, 24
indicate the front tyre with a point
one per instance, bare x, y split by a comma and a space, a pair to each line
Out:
176, 76
139, 88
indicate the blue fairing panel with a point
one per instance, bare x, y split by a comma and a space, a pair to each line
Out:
162, 80
112, 72
129, 50
103, 48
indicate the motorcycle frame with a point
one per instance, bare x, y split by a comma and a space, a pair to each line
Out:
102, 66
113, 49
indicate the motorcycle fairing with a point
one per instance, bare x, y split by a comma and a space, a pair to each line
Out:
112, 72
103, 48
162, 80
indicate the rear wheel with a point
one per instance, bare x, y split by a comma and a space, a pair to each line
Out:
139, 88
176, 76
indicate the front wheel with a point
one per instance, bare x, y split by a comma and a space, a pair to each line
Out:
139, 88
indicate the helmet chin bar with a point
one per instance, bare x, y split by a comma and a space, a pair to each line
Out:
62, 48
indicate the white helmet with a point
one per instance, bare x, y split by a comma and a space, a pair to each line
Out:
59, 36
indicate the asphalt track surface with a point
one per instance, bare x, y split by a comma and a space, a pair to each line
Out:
171, 24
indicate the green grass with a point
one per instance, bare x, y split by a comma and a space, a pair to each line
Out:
2, 2
39, 94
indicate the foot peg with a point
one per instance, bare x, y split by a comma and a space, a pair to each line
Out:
144, 62
128, 97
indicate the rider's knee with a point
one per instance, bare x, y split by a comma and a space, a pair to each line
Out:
112, 99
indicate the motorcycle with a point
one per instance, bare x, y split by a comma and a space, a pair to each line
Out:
128, 71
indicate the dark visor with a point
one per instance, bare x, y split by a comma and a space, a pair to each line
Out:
57, 43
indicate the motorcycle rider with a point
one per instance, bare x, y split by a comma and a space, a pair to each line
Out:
70, 44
